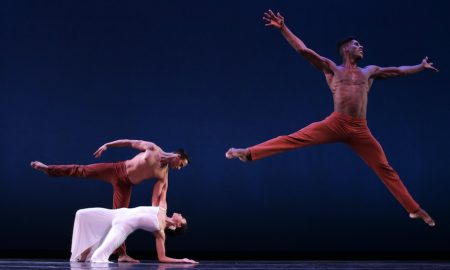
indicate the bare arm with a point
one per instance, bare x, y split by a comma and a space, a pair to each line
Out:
318, 61
160, 193
392, 72
160, 236
161, 250
136, 144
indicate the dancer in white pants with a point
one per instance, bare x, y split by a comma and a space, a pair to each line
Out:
97, 232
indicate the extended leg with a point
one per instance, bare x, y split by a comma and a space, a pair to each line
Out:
325, 131
372, 153
102, 171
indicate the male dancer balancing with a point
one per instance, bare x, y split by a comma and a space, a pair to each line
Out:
151, 162
350, 86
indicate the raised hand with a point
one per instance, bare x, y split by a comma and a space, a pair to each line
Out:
273, 20
428, 65
99, 152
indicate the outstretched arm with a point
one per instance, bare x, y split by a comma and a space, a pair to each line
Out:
136, 144
392, 72
320, 62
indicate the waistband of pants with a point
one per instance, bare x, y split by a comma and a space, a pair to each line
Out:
349, 118
121, 169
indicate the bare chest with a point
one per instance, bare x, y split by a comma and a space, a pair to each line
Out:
350, 77
146, 165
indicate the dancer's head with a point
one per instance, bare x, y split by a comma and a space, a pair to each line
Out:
180, 161
349, 46
177, 225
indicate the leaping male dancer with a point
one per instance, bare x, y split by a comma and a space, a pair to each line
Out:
151, 162
350, 86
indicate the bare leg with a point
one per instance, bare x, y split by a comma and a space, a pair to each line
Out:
84, 255
424, 216
241, 153
39, 166
125, 258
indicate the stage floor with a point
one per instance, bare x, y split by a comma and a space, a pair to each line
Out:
236, 265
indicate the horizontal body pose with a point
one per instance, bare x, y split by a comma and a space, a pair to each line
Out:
151, 162
349, 86
97, 232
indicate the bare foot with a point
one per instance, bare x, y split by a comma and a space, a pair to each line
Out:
84, 255
39, 166
424, 216
126, 258
242, 154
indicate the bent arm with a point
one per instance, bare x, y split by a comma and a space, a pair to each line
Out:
392, 72
136, 144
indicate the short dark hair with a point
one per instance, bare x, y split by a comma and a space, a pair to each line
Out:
178, 231
183, 154
343, 42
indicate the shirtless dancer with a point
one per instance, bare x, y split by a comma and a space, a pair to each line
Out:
350, 86
151, 162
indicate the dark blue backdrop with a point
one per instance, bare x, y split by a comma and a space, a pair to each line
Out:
207, 75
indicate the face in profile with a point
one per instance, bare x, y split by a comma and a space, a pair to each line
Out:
355, 49
179, 220
178, 163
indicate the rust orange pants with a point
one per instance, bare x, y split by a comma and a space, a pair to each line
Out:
354, 132
113, 173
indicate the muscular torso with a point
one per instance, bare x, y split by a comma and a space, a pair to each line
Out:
350, 88
146, 165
